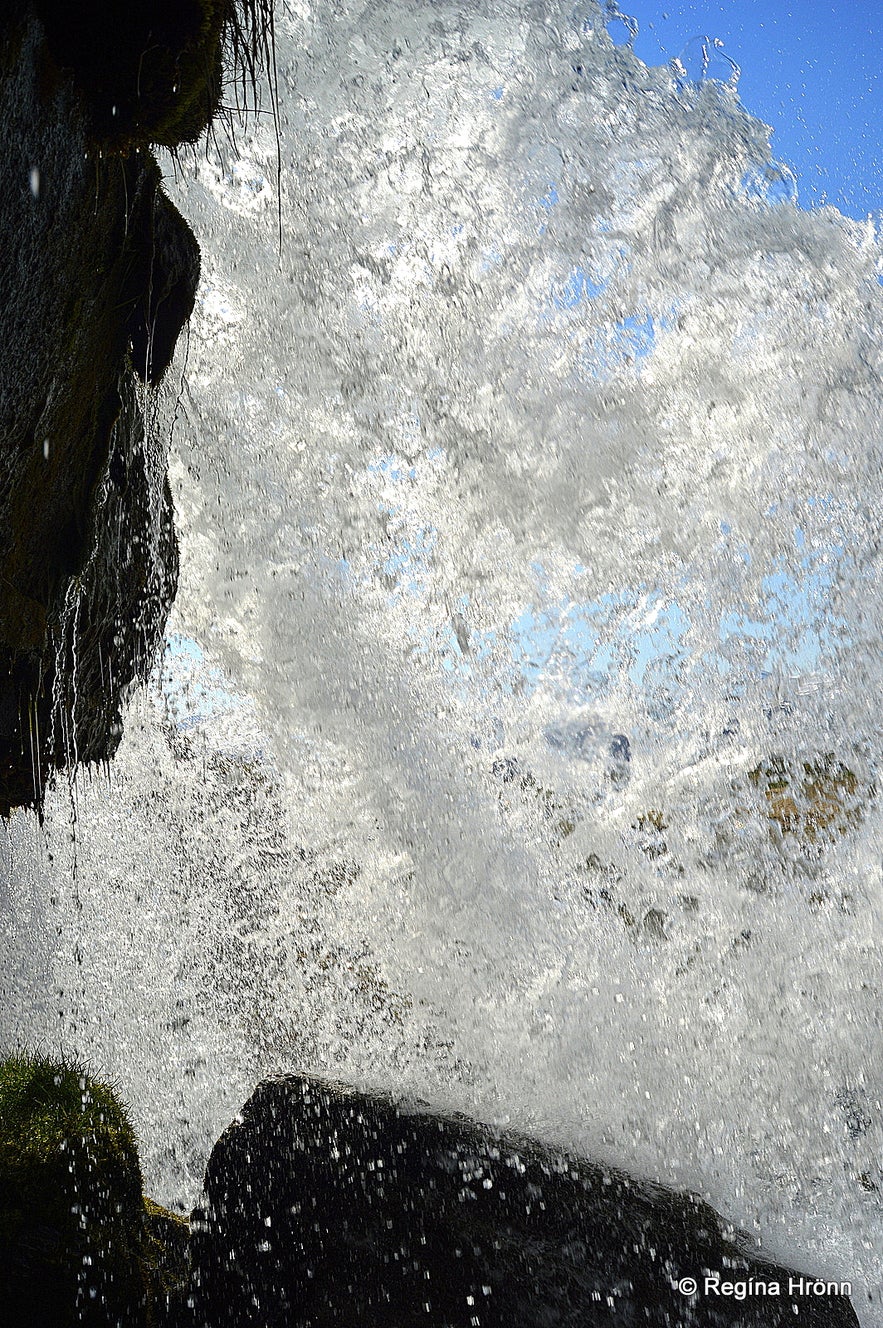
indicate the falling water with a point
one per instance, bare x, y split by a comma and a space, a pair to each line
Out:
516, 740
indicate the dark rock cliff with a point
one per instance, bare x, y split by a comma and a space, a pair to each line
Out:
325, 1206
98, 275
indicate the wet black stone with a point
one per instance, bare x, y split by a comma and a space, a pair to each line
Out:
165, 281
98, 277
505, 768
328, 1207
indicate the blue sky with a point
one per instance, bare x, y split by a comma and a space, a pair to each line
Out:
810, 68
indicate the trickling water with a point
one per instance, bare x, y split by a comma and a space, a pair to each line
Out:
519, 730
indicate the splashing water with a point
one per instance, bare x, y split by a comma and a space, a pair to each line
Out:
518, 733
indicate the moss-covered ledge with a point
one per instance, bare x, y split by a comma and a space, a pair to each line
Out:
79, 1243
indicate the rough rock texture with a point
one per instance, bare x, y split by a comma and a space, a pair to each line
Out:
97, 276
324, 1206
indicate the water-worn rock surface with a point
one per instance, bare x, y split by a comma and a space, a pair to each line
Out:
326, 1206
98, 276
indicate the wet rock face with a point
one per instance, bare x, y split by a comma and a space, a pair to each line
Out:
327, 1207
98, 276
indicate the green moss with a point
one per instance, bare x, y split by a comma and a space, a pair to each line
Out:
166, 1259
72, 1221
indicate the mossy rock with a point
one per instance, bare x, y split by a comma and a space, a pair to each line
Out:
100, 248
79, 1245
166, 1263
99, 277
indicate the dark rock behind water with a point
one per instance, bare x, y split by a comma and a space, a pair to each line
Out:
97, 277
325, 1206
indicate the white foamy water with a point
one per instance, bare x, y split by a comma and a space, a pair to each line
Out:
529, 506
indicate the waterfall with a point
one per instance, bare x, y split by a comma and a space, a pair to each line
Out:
516, 741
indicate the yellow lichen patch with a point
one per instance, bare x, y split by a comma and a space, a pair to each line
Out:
815, 799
